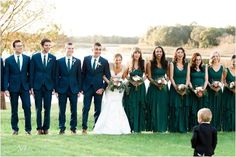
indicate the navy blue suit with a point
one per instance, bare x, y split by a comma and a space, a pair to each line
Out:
16, 81
2, 74
42, 80
92, 80
68, 85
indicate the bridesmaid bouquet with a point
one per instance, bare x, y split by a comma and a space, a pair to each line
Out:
216, 85
160, 82
135, 81
116, 83
199, 91
231, 87
182, 89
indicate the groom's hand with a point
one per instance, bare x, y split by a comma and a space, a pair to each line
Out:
100, 91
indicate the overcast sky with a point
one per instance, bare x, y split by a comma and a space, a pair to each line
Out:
134, 17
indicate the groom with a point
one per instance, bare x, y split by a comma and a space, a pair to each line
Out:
93, 69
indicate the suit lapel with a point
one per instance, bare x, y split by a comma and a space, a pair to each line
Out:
90, 64
23, 62
14, 62
40, 60
49, 60
64, 62
98, 64
72, 63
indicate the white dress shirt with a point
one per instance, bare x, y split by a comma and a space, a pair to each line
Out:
92, 60
21, 59
69, 57
42, 56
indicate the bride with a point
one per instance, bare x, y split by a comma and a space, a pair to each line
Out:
113, 119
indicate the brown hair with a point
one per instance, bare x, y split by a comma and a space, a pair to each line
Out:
193, 62
118, 55
45, 40
140, 61
175, 56
14, 43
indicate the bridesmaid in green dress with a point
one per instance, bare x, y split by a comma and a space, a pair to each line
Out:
158, 94
198, 81
228, 116
215, 82
178, 101
134, 98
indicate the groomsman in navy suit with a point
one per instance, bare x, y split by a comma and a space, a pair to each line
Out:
93, 69
16, 83
68, 85
42, 78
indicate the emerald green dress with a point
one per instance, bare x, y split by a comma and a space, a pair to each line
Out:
228, 116
197, 78
178, 104
134, 104
215, 98
157, 102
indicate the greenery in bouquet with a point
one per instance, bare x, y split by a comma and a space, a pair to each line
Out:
199, 91
116, 83
182, 89
160, 82
231, 86
135, 81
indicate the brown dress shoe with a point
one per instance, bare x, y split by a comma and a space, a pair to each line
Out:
45, 132
84, 131
39, 132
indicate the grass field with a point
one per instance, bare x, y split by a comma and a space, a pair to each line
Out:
145, 144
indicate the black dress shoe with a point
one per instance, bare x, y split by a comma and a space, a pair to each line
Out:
15, 132
73, 132
28, 132
61, 132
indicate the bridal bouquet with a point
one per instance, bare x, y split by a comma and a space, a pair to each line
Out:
182, 89
199, 91
135, 81
160, 82
116, 83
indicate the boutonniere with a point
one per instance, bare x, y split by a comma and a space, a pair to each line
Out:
49, 59
99, 64
73, 61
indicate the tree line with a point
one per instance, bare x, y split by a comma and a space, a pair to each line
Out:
190, 35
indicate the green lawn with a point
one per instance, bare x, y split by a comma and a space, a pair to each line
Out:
145, 144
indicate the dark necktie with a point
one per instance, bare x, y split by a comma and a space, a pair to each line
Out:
18, 61
94, 64
44, 61
68, 64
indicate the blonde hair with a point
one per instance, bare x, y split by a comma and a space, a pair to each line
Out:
205, 114
212, 55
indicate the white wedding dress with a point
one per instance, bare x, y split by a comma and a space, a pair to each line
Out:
112, 119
